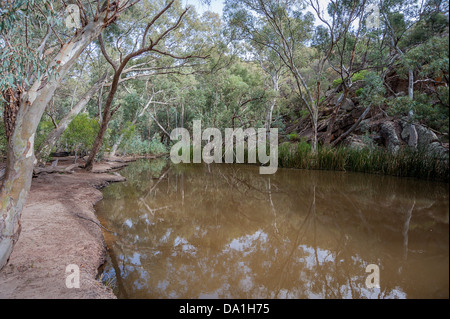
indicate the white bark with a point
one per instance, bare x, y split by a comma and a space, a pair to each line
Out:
21, 159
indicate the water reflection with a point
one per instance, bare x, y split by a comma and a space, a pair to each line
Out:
224, 231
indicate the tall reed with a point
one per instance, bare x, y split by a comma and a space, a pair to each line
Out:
405, 163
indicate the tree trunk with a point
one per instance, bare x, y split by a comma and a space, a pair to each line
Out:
53, 137
17, 182
182, 114
269, 115
411, 84
116, 145
98, 141
107, 114
10, 111
413, 136
21, 159
119, 141
314, 139
339, 103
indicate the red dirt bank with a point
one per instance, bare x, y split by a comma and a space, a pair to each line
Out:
59, 229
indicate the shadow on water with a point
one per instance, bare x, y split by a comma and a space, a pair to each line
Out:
224, 231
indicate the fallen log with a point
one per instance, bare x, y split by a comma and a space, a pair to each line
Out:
55, 170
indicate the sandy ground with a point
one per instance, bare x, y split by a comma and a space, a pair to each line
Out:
59, 228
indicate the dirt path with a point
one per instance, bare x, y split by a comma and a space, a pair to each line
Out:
59, 229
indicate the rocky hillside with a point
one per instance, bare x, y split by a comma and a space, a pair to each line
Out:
376, 128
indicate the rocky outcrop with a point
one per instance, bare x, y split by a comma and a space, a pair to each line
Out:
348, 105
376, 129
358, 142
388, 131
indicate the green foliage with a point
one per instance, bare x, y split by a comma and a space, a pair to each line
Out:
293, 137
359, 92
358, 76
80, 134
44, 128
3, 140
424, 111
373, 92
137, 146
18, 60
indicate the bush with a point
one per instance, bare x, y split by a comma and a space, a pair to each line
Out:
3, 140
80, 135
425, 111
137, 146
293, 137
44, 128
358, 76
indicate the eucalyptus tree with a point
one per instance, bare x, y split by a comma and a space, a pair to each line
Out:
340, 43
37, 51
274, 68
407, 25
282, 27
150, 44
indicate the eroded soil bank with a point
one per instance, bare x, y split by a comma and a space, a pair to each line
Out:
59, 228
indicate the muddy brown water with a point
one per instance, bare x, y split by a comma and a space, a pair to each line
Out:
224, 231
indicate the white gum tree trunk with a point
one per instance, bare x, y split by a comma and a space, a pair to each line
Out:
21, 157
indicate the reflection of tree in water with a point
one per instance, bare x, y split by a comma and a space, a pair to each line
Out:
228, 232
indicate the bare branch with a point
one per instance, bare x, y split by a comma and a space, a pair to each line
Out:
105, 54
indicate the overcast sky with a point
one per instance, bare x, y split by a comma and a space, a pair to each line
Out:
217, 6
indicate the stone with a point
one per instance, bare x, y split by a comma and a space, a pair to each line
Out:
438, 150
425, 137
389, 133
405, 133
413, 137
348, 105
359, 142
364, 126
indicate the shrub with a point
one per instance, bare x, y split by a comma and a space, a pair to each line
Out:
293, 137
80, 135
137, 146
3, 140
358, 76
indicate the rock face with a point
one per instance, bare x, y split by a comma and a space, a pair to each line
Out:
348, 105
356, 142
428, 140
377, 129
389, 132
425, 137
422, 138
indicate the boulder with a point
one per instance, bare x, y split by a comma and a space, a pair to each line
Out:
348, 105
364, 126
389, 134
425, 137
358, 142
438, 150
405, 131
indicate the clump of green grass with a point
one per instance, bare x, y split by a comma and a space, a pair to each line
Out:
405, 163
